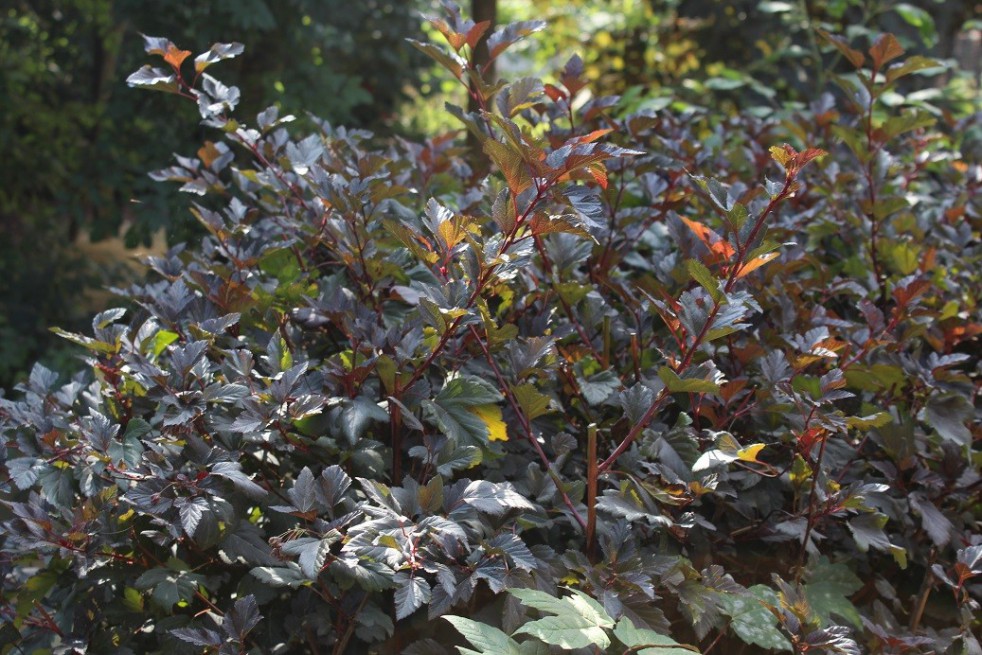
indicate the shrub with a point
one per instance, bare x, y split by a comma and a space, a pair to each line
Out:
665, 379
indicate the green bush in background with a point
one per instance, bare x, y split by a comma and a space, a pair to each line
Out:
77, 146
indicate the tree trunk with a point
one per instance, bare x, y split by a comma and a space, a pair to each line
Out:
481, 10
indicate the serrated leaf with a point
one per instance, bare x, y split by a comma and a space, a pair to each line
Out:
487, 639
242, 618
532, 402
867, 530
303, 494
566, 631
885, 49
191, 513
648, 642
280, 576
752, 621
493, 498
520, 94
198, 636
675, 384
933, 521
515, 549
411, 595
232, 471
947, 414
24, 471
910, 65
511, 164
598, 387
698, 272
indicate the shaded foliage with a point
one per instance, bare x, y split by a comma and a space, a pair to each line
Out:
674, 382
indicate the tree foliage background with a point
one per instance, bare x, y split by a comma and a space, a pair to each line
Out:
78, 145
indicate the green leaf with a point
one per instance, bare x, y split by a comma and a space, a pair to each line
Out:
451, 409
905, 122
910, 65
289, 575
579, 620
487, 639
919, 19
598, 387
132, 599
752, 621
566, 631
675, 384
533, 403
163, 339
698, 271
648, 642
828, 590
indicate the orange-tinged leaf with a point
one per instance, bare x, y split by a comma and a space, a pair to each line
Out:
594, 135
599, 173
716, 244
208, 153
511, 164
806, 156
451, 232
886, 48
475, 33
456, 40
756, 263
174, 56
810, 437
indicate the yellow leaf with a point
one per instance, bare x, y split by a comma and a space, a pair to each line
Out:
781, 155
749, 454
491, 415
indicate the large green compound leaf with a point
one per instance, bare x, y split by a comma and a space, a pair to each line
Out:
828, 591
487, 639
579, 620
648, 642
752, 621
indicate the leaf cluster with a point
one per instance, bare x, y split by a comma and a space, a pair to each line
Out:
672, 382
